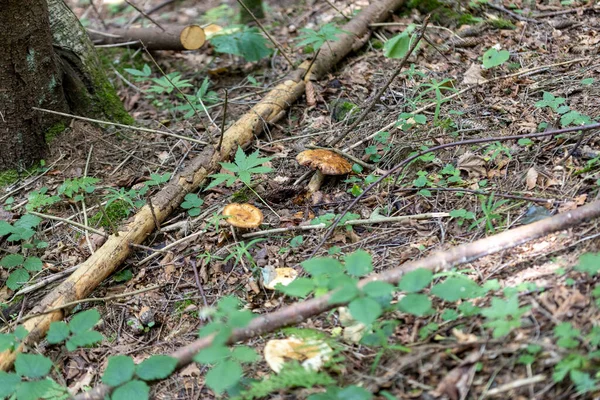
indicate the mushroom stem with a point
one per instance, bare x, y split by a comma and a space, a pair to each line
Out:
315, 182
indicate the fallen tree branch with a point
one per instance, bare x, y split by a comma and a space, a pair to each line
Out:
118, 248
298, 312
178, 38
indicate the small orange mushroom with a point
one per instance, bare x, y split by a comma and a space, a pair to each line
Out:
243, 215
325, 162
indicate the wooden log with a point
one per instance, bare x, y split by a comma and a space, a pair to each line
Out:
117, 248
178, 38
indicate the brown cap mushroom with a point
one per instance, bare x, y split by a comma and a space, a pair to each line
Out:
243, 215
328, 162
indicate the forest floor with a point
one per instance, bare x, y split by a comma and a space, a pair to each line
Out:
485, 189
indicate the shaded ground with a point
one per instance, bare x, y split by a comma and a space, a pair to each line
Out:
530, 171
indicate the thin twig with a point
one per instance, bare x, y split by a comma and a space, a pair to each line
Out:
370, 221
149, 18
338, 10
223, 122
89, 300
382, 89
262, 28
484, 193
69, 222
512, 14
135, 128
83, 206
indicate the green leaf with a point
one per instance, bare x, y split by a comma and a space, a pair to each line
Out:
123, 276
12, 260
191, 201
8, 383
244, 354
583, 381
17, 278
84, 339
135, 389
247, 43
398, 46
358, 263
223, 376
589, 263
7, 341
33, 264
58, 332
119, 370
34, 390
365, 310
5, 228
156, 367
493, 58
415, 281
20, 332
212, 354
322, 266
316, 39
378, 289
344, 294
587, 81
354, 393
32, 365
300, 287
455, 288
416, 304
84, 321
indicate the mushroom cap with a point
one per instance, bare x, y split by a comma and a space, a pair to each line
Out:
243, 215
328, 162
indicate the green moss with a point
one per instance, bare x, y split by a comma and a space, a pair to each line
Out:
117, 211
501, 23
110, 104
54, 131
342, 109
241, 196
468, 19
8, 177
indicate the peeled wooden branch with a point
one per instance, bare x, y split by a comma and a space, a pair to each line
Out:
117, 248
299, 312
178, 38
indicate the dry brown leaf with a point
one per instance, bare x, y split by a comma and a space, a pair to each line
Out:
473, 75
472, 164
531, 178
455, 385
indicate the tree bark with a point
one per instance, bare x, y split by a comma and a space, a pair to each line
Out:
29, 76
48, 62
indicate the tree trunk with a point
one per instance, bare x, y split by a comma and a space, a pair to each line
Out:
256, 7
29, 76
49, 62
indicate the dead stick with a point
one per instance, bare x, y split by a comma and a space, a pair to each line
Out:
299, 312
